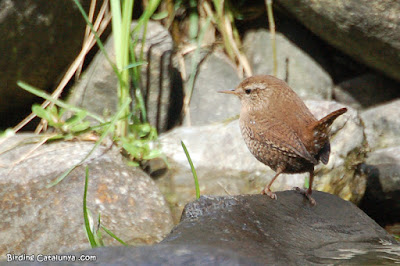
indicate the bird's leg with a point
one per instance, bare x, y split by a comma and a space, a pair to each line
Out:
307, 193
267, 190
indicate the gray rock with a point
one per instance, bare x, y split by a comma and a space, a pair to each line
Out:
366, 91
161, 87
39, 220
225, 166
385, 156
366, 30
381, 200
163, 254
96, 90
305, 74
256, 230
285, 231
382, 125
36, 45
215, 73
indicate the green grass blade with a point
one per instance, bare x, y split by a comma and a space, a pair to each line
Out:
133, 65
121, 24
306, 182
61, 177
193, 20
126, 28
142, 23
271, 23
89, 232
148, 12
196, 181
98, 236
195, 63
98, 41
60, 103
116, 27
135, 73
113, 235
105, 133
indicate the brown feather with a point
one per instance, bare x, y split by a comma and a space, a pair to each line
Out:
320, 134
278, 133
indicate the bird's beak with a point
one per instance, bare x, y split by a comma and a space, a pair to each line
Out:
228, 91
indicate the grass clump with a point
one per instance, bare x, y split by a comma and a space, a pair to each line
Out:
127, 128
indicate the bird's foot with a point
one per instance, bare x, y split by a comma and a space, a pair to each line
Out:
269, 193
307, 194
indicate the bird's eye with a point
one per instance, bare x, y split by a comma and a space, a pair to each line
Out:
247, 91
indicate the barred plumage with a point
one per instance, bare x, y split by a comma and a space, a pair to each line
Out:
280, 130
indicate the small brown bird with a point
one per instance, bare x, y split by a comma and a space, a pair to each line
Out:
280, 130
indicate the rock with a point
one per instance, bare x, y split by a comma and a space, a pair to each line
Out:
215, 73
256, 230
385, 157
161, 86
305, 74
381, 200
382, 125
284, 231
393, 229
366, 91
96, 90
36, 45
39, 220
225, 166
162, 254
366, 30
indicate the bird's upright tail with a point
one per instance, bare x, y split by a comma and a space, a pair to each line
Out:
320, 131
324, 123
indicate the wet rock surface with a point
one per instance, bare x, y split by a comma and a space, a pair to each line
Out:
288, 224
35, 219
256, 230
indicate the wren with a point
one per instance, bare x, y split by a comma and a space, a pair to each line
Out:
279, 129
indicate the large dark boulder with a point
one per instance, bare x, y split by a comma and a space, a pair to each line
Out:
256, 230
38, 41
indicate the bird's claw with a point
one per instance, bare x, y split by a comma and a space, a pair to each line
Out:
269, 193
307, 194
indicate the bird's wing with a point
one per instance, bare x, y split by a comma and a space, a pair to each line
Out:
279, 135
